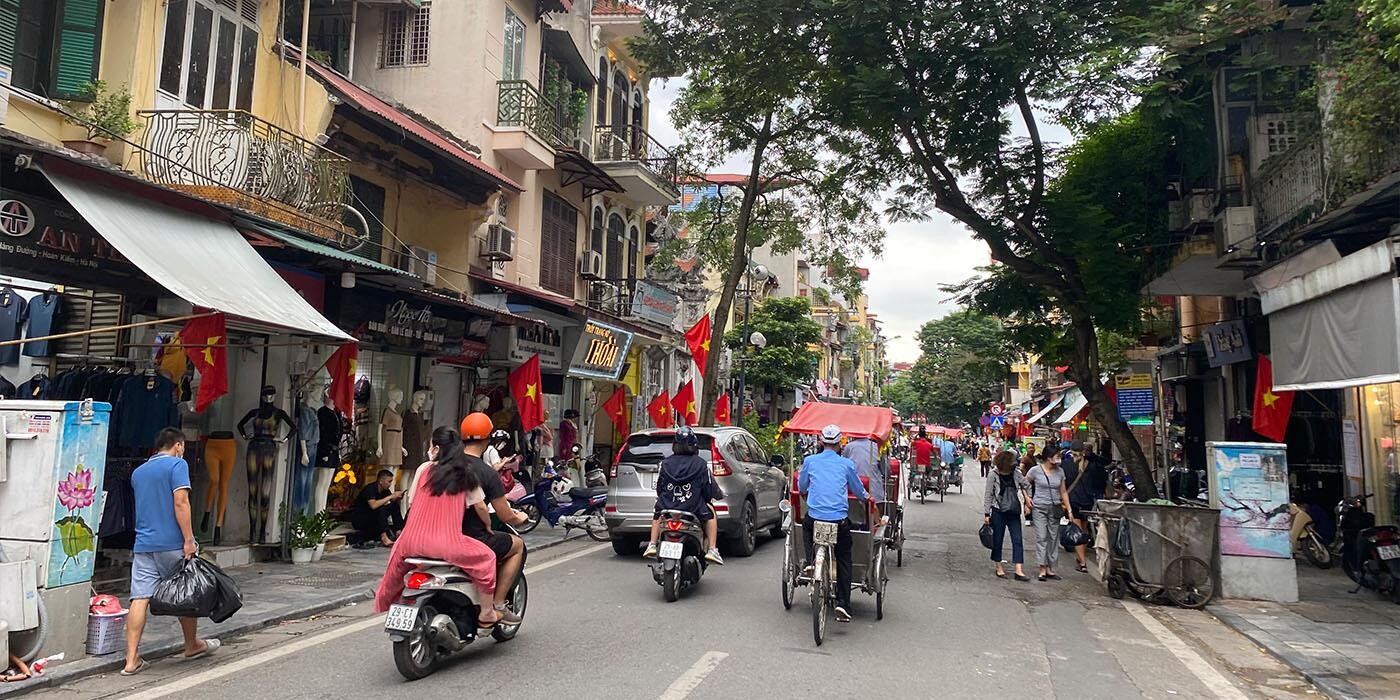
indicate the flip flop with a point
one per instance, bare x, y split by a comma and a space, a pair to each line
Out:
1000, 574
210, 646
139, 668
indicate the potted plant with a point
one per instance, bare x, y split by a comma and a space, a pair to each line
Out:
103, 115
305, 535
325, 522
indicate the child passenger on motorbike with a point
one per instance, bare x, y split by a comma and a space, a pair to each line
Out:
685, 484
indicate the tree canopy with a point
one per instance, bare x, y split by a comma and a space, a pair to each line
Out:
963, 359
785, 361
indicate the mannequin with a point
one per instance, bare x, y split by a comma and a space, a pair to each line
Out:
309, 437
327, 453
391, 451
416, 431
261, 458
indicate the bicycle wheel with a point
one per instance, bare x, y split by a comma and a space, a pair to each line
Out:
789, 573
1188, 583
942, 487
819, 598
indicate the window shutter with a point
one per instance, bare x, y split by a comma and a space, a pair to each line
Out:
9, 29
78, 47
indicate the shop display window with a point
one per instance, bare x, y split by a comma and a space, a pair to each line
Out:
1380, 415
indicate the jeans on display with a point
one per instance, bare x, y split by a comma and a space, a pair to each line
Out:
1009, 523
1047, 535
301, 481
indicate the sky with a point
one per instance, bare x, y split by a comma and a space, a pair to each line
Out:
919, 257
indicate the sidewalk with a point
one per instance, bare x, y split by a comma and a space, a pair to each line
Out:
272, 592
1348, 645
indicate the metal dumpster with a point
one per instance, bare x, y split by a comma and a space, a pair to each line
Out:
1159, 535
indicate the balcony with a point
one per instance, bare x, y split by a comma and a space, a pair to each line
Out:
1289, 187
529, 126
232, 158
645, 169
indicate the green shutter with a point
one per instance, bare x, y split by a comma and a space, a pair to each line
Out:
78, 47
9, 29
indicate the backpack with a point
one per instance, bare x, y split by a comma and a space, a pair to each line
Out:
1006, 498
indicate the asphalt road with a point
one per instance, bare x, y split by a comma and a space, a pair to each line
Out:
597, 627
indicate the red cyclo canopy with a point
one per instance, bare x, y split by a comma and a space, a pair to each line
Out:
855, 421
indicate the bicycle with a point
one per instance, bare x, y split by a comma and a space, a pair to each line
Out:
823, 591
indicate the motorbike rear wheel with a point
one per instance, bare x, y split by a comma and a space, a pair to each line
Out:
517, 600
597, 528
671, 584
415, 657
1314, 550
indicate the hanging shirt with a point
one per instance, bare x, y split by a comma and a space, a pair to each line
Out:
7, 390
145, 405
35, 389
12, 308
43, 314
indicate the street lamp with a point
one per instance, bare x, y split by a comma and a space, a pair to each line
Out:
753, 274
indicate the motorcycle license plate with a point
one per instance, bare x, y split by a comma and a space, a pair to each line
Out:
671, 550
400, 618
1389, 551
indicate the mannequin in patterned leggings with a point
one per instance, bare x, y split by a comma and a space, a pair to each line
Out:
261, 458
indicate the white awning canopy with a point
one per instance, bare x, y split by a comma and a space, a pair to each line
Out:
1048, 408
205, 262
1076, 404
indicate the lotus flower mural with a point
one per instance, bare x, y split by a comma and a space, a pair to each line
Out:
75, 493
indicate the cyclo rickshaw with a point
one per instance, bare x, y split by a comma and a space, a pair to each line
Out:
871, 535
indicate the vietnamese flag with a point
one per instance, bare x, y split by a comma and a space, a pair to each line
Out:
205, 341
684, 403
722, 409
616, 408
526, 388
698, 340
342, 366
660, 410
1271, 408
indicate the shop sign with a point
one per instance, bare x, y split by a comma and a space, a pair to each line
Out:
1249, 484
1135, 395
467, 353
1226, 343
536, 339
601, 351
48, 232
407, 322
652, 303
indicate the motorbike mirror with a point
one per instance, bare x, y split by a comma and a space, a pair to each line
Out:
784, 506
777, 460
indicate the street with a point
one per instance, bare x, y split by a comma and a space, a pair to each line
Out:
597, 627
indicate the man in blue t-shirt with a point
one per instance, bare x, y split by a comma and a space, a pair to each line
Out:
826, 479
164, 540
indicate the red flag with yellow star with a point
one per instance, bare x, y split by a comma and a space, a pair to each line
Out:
684, 403
342, 366
722, 409
616, 408
526, 388
1271, 408
660, 410
698, 340
204, 340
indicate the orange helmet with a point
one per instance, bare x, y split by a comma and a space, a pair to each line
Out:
476, 426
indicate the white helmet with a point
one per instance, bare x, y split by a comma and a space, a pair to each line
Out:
831, 434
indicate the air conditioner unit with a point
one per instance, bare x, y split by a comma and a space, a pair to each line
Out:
1234, 227
500, 243
584, 146
420, 262
590, 265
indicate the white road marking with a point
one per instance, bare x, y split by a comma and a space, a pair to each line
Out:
282, 650
1212, 679
681, 687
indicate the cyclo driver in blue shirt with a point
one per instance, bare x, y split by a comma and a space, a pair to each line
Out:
826, 478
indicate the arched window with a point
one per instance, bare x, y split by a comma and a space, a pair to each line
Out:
602, 104
595, 237
634, 245
617, 229
618, 118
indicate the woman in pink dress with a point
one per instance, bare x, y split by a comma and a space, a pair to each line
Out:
444, 492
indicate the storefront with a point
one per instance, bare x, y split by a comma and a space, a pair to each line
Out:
598, 362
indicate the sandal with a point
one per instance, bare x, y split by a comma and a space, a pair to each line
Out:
1040, 577
1082, 569
1022, 577
139, 668
1053, 577
1000, 574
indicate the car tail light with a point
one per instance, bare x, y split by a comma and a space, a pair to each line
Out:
721, 508
419, 580
610, 509
719, 467
674, 525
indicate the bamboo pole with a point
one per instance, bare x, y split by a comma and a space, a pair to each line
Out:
104, 329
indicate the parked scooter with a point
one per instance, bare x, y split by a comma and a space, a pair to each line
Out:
556, 500
1352, 518
680, 560
1378, 557
437, 616
1306, 540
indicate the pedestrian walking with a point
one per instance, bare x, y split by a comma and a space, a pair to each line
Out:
984, 457
164, 540
1002, 507
1048, 497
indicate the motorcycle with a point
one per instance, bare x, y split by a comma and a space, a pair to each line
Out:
437, 614
556, 500
1352, 519
1306, 540
680, 560
1378, 557
955, 473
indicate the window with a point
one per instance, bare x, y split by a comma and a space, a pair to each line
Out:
558, 243
595, 238
618, 118
601, 117
633, 246
51, 46
369, 201
405, 38
210, 52
617, 229
513, 49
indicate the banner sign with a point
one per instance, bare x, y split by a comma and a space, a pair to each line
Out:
536, 339
601, 351
47, 232
652, 303
1226, 343
1249, 484
1135, 395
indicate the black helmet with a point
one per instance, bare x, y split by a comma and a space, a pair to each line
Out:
686, 442
499, 436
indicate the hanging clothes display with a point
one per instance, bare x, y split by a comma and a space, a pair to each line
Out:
12, 308
43, 318
145, 404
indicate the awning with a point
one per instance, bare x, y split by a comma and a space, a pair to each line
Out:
1048, 408
575, 168
872, 422
1076, 404
205, 262
1343, 339
324, 250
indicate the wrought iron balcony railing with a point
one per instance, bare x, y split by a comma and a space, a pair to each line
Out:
234, 158
623, 142
1289, 185
521, 104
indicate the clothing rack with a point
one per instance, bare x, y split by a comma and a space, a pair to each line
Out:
101, 358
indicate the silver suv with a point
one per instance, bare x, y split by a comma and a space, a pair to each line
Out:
753, 484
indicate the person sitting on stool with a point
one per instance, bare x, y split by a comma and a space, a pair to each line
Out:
375, 514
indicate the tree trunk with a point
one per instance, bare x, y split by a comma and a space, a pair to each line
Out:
737, 265
1086, 373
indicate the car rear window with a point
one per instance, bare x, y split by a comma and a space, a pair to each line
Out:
651, 449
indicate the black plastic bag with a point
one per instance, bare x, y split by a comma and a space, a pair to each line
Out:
1123, 540
198, 589
985, 534
1071, 536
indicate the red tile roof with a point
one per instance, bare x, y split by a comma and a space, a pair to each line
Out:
613, 7
367, 101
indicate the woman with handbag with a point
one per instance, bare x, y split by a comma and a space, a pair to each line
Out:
1002, 508
1049, 503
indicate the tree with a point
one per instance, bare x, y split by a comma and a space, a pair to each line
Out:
923, 94
785, 362
749, 91
962, 362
